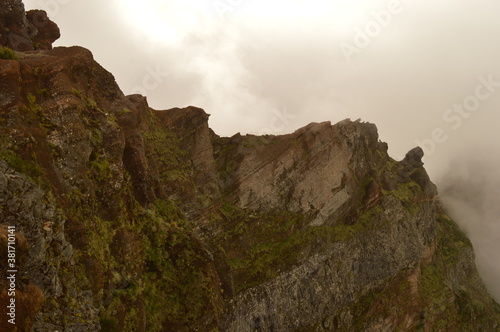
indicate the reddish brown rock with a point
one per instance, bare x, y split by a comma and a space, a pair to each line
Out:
23, 31
29, 300
42, 30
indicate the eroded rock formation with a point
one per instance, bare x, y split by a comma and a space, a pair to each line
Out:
132, 219
22, 31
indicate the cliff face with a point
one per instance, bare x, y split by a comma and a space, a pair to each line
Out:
132, 219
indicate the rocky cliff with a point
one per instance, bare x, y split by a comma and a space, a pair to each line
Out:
131, 219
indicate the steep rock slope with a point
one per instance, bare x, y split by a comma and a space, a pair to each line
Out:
131, 219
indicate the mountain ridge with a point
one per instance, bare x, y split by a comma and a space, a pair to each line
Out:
133, 219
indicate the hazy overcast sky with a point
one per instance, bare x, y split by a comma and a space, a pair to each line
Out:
425, 72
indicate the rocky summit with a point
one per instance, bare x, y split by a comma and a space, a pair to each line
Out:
118, 217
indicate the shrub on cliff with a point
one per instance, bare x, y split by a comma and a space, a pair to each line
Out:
7, 54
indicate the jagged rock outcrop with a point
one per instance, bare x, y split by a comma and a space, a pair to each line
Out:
14, 26
22, 31
132, 219
43, 31
191, 127
313, 170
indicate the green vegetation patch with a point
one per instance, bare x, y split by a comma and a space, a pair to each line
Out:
109, 324
449, 308
406, 193
180, 285
28, 168
258, 246
427, 294
38, 111
452, 239
7, 53
163, 149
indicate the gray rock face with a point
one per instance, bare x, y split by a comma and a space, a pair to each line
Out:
31, 212
413, 158
325, 283
35, 216
311, 171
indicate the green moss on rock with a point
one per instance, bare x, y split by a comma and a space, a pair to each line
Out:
7, 53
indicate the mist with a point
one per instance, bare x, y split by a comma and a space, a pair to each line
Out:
471, 193
425, 72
